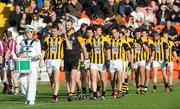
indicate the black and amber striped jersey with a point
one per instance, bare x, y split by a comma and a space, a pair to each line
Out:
161, 46
139, 52
171, 49
117, 48
97, 47
53, 47
151, 48
129, 42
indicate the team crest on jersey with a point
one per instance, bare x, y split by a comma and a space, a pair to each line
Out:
73, 38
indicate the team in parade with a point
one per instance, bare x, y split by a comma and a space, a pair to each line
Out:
91, 58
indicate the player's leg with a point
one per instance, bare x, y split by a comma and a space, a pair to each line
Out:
50, 73
94, 74
165, 78
136, 72
83, 81
112, 78
79, 85
142, 75
156, 65
56, 73
147, 76
171, 75
102, 73
90, 83
75, 64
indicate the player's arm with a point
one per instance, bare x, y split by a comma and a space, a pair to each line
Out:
44, 47
83, 46
166, 49
127, 49
145, 46
132, 46
152, 47
175, 53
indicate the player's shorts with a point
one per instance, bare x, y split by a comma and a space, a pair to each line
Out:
116, 66
10, 65
53, 65
70, 64
157, 64
148, 66
170, 64
98, 67
139, 63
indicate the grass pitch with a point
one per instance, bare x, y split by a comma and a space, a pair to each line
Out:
159, 100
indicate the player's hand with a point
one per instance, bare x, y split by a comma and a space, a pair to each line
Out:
177, 61
86, 63
41, 63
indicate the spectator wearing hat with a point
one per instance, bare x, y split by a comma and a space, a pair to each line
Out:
30, 48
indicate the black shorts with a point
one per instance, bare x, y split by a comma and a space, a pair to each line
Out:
70, 64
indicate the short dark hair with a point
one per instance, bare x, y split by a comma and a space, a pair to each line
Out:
89, 28
55, 27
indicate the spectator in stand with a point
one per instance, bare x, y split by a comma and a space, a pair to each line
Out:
171, 30
22, 23
15, 17
74, 8
142, 2
37, 23
162, 15
154, 6
175, 15
95, 9
46, 31
46, 10
53, 17
132, 23
126, 7
110, 8
31, 9
138, 15
150, 17
177, 2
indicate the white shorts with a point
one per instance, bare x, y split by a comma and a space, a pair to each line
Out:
116, 65
157, 64
139, 63
148, 66
53, 65
98, 67
170, 64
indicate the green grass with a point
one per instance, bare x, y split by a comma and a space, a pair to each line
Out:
159, 100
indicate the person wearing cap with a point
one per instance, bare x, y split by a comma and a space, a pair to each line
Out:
30, 48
